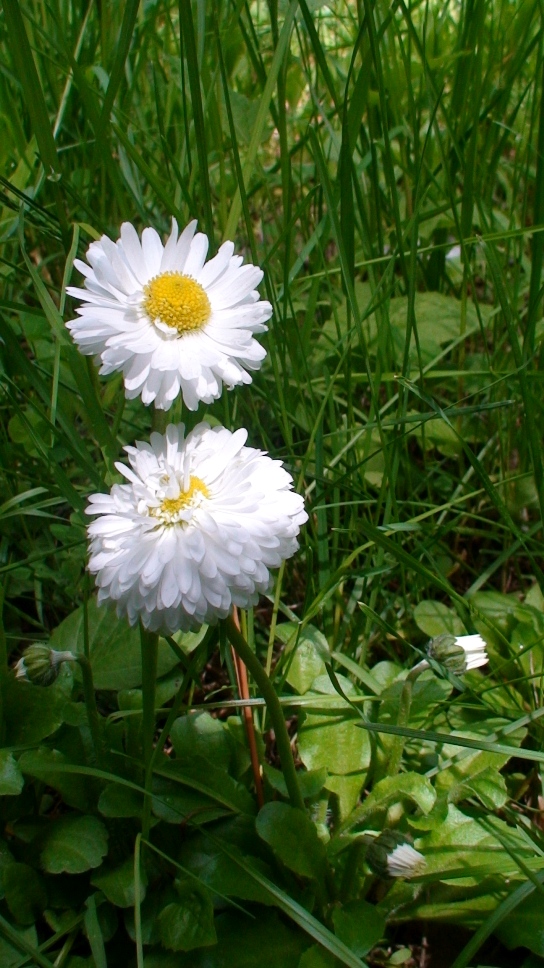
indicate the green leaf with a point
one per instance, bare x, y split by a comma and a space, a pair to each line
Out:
199, 734
220, 787
120, 801
174, 803
114, 647
434, 618
310, 655
293, 838
74, 845
32, 712
359, 925
25, 893
11, 778
188, 923
40, 763
330, 740
10, 955
317, 957
403, 786
310, 782
219, 873
243, 942
117, 883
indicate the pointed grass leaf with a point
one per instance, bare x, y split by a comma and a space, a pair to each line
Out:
74, 845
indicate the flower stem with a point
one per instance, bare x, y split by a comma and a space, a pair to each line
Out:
90, 705
403, 716
274, 708
149, 645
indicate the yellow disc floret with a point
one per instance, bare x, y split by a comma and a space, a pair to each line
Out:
177, 301
168, 510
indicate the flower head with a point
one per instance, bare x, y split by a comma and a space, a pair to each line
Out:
195, 530
40, 664
392, 855
459, 653
168, 319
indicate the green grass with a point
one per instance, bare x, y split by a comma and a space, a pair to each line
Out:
383, 163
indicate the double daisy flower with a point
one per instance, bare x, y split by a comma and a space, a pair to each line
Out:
203, 517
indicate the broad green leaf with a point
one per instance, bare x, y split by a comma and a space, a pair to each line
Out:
329, 740
11, 778
317, 957
311, 651
293, 838
74, 845
113, 645
310, 782
32, 712
524, 928
120, 801
438, 321
175, 803
359, 925
199, 734
25, 892
188, 923
404, 786
428, 692
242, 942
434, 618
217, 871
220, 787
476, 772
117, 883
75, 790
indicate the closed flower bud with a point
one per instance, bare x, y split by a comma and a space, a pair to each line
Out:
40, 664
458, 653
392, 855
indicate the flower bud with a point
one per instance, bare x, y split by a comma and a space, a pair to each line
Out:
40, 664
458, 653
392, 855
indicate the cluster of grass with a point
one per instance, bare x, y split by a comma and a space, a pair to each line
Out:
384, 164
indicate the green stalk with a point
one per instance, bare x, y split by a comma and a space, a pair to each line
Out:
3, 664
273, 705
397, 748
91, 707
150, 645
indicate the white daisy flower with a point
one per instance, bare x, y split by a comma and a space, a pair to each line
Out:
459, 653
168, 319
405, 861
196, 529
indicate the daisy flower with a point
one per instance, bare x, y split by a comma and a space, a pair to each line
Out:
195, 530
168, 319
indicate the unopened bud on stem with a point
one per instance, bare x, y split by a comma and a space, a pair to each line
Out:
459, 653
41, 665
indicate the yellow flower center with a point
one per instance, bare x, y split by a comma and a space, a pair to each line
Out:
171, 506
178, 301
